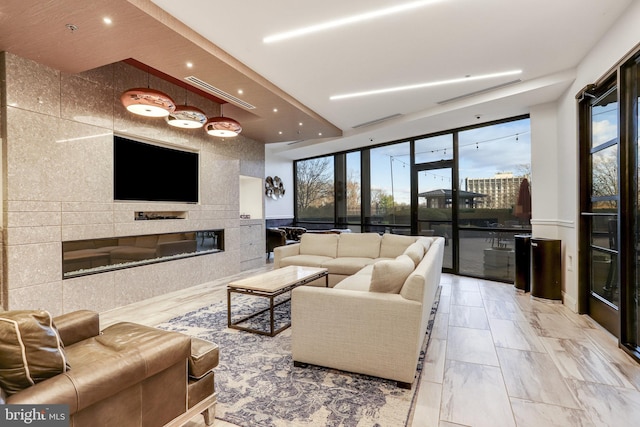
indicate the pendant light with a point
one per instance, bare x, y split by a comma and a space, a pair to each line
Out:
148, 102
223, 126
186, 117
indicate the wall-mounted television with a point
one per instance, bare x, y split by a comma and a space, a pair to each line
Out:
148, 172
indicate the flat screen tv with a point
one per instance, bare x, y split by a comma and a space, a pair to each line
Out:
147, 172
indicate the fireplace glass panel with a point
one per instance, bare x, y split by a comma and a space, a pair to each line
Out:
83, 257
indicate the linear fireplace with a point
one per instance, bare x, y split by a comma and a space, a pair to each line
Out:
84, 257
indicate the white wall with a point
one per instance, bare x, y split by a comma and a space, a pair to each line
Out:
276, 165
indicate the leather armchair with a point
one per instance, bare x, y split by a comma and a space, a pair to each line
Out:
275, 237
128, 375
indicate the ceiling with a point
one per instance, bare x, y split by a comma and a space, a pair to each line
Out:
438, 40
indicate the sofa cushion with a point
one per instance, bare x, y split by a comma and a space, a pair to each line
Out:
364, 245
389, 276
30, 349
426, 242
346, 265
204, 357
304, 260
367, 269
415, 251
392, 245
357, 282
319, 244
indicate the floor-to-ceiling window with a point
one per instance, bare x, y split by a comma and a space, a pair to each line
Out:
470, 186
315, 192
494, 198
390, 189
353, 191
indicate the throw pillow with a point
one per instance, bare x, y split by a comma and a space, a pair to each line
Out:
389, 275
415, 251
426, 242
30, 349
393, 245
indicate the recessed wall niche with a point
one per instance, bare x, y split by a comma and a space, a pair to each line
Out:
251, 190
92, 256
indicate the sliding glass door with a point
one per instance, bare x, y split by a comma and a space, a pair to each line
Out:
435, 205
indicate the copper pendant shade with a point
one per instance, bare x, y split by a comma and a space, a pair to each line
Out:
148, 102
153, 103
223, 127
187, 117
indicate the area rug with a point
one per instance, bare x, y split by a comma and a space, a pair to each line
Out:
258, 385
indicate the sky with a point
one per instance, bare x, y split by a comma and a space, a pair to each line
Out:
483, 152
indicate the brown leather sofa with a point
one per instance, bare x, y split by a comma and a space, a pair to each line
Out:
128, 375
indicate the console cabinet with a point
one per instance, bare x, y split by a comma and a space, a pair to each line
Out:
252, 244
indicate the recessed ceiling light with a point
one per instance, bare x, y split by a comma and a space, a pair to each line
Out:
319, 133
424, 85
280, 133
189, 64
300, 124
240, 91
107, 20
275, 110
349, 20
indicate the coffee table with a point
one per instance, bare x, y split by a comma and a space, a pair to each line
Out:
270, 285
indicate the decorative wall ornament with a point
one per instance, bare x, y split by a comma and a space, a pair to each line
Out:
273, 188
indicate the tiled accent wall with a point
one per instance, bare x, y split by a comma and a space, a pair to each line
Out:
58, 186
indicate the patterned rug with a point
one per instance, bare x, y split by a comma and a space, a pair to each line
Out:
258, 385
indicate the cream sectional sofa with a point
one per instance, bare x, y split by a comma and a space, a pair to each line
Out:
373, 318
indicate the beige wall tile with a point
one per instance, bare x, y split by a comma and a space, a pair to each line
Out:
32, 234
87, 100
45, 296
96, 291
33, 206
33, 219
53, 160
87, 231
32, 86
85, 218
29, 265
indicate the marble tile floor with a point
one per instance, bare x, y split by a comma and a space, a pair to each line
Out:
496, 358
